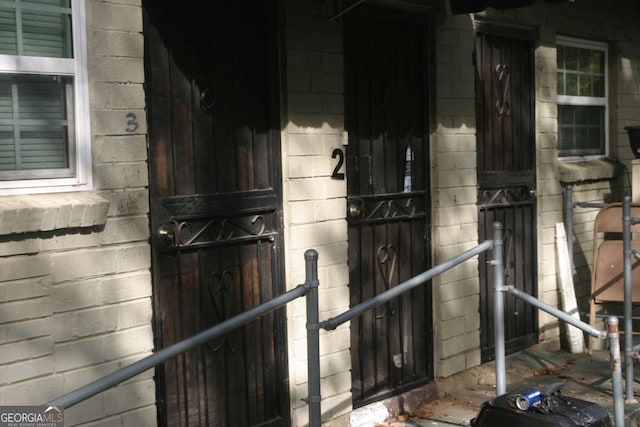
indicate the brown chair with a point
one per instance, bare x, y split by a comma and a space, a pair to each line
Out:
607, 273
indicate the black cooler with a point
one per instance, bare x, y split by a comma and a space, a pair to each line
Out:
534, 408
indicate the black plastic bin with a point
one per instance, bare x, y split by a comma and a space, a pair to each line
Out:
552, 410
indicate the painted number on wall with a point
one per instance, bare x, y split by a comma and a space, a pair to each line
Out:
132, 123
338, 153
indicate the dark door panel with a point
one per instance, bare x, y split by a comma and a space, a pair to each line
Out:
216, 208
515, 210
386, 82
506, 180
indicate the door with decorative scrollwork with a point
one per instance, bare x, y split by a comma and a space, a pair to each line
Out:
215, 202
386, 91
506, 180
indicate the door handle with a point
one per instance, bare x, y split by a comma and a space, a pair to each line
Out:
355, 210
165, 234
532, 192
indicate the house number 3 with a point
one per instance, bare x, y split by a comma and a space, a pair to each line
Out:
340, 155
132, 122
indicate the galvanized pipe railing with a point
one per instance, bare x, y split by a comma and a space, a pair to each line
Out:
499, 339
616, 370
386, 296
498, 309
309, 288
628, 298
313, 339
627, 222
568, 221
568, 216
611, 334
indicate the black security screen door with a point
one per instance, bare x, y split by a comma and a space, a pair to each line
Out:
214, 153
506, 180
386, 86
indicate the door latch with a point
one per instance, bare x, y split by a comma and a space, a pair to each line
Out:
165, 235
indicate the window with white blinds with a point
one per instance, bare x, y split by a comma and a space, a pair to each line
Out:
44, 123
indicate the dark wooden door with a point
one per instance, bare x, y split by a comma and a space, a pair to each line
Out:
215, 200
386, 89
506, 180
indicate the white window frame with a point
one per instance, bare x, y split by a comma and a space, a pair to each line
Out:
76, 68
588, 100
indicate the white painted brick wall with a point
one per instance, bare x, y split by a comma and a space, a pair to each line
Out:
75, 302
315, 204
454, 142
591, 20
58, 292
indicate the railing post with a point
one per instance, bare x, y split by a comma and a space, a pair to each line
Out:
313, 338
568, 220
616, 370
628, 310
498, 307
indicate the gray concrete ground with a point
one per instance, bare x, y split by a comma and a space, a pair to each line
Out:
584, 376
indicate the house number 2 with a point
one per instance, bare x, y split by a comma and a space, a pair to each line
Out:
340, 155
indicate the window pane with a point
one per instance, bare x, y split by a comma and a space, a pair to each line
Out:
598, 86
597, 64
580, 72
46, 35
572, 59
36, 28
561, 67
572, 84
584, 86
33, 122
580, 130
8, 37
582, 97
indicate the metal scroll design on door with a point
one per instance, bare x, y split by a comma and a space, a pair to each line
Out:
195, 232
220, 287
399, 208
500, 197
503, 74
386, 256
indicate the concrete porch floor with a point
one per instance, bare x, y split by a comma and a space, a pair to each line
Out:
584, 376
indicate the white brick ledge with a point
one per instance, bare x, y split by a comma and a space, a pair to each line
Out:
47, 212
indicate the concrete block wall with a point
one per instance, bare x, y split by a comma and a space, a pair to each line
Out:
591, 180
627, 66
548, 187
455, 213
454, 169
75, 294
314, 203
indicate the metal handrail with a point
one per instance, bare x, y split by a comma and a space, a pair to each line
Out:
334, 322
611, 334
627, 222
102, 384
569, 204
308, 289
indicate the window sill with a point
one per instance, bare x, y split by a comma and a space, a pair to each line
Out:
48, 212
587, 170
